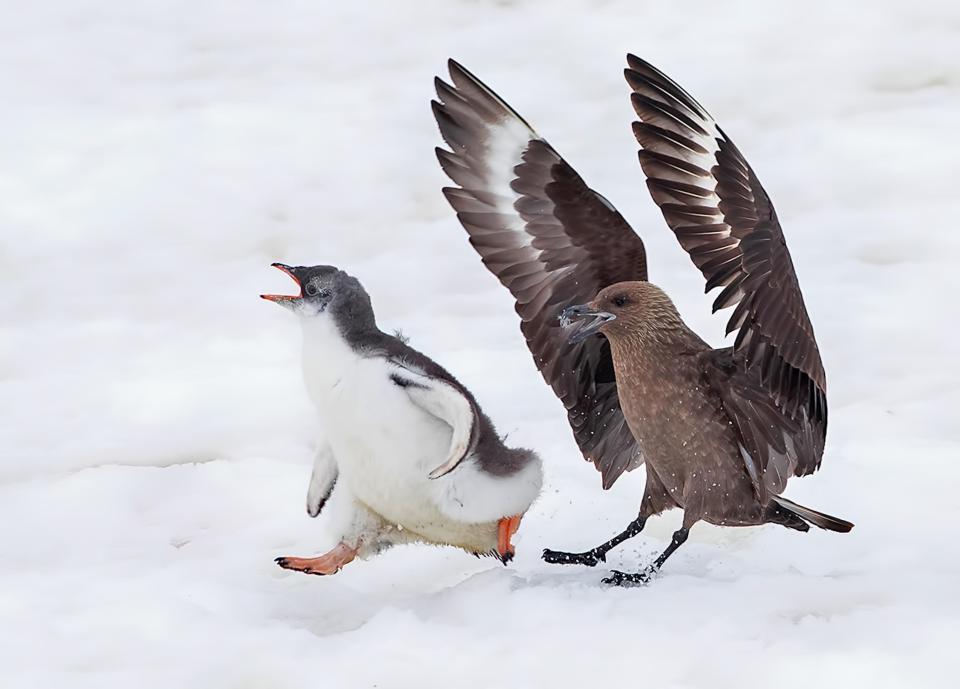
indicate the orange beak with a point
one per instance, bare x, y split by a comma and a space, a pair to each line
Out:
280, 298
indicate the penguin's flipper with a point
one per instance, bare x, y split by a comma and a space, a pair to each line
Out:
323, 479
446, 402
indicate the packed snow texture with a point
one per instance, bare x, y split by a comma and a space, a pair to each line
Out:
156, 439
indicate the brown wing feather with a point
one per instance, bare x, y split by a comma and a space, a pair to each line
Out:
721, 215
778, 445
552, 241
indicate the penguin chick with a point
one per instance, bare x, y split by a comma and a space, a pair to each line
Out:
408, 456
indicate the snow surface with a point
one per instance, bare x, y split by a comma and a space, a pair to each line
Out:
155, 157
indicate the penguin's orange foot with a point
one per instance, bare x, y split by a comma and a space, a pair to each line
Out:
506, 527
328, 563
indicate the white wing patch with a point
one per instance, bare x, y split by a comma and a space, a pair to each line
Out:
506, 143
485, 170
445, 402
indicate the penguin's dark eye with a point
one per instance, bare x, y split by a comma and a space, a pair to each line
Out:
620, 301
311, 290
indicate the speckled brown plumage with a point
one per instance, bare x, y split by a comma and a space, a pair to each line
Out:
721, 430
674, 390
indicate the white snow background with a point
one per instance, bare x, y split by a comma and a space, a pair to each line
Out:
156, 157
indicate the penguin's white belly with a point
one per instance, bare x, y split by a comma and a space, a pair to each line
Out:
385, 446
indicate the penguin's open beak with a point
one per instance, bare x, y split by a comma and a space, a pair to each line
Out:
284, 299
585, 319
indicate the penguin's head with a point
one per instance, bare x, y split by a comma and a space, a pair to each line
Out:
325, 291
